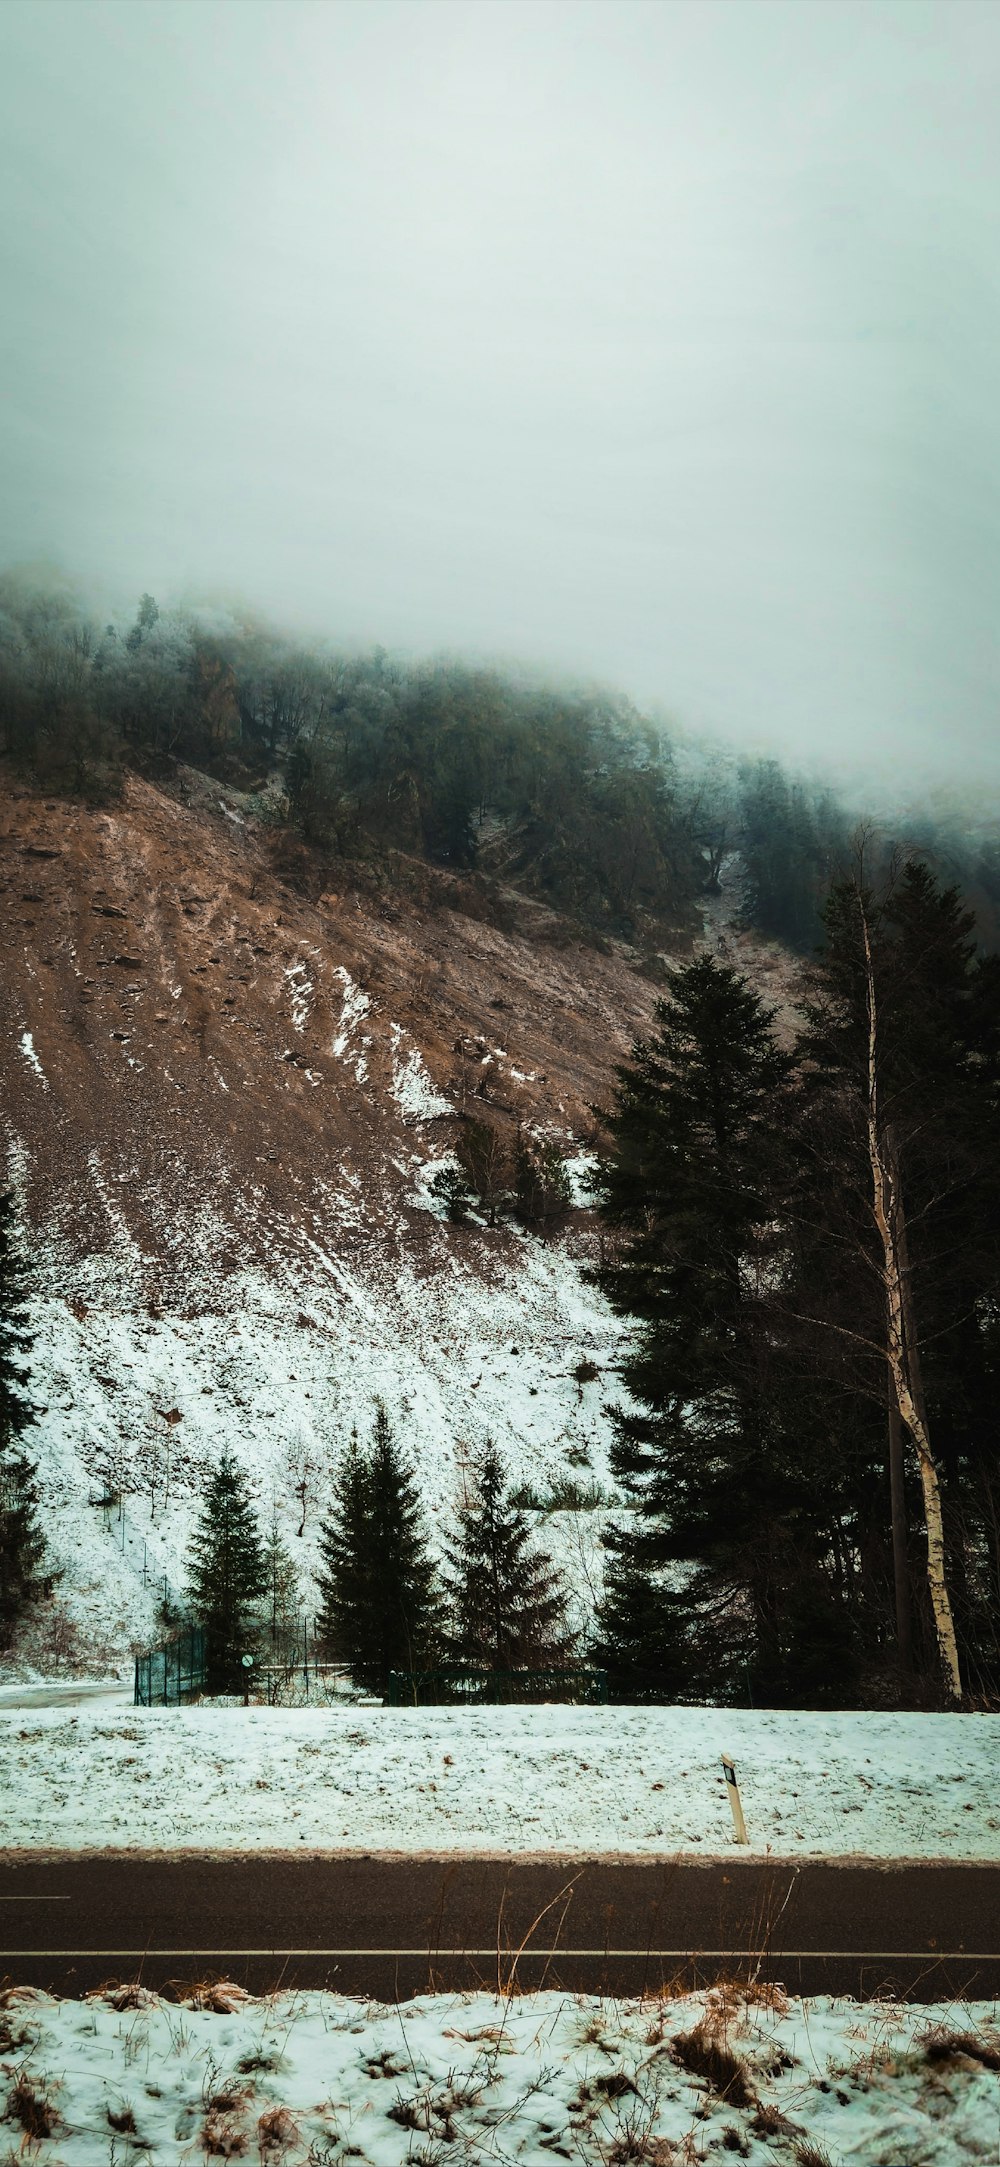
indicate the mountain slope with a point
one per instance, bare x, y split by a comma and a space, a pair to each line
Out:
221, 1105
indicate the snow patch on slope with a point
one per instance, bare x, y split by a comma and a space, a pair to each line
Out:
27, 1045
412, 1088
354, 1007
301, 992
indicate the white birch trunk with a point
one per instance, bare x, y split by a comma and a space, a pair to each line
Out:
886, 1205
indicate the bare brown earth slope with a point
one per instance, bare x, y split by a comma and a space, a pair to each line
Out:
221, 1105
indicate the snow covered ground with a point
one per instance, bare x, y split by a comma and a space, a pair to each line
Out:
308, 2080
487, 1780
278, 1367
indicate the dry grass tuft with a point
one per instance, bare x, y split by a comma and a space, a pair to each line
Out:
639, 2148
961, 2048
229, 2099
703, 2055
768, 2121
221, 1996
276, 2131
222, 2138
30, 2108
14, 2036
124, 1994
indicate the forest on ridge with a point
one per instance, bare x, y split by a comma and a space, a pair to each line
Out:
568, 795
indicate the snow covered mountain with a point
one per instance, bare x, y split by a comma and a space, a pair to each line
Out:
222, 1106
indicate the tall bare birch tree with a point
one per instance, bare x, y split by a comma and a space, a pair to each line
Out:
902, 1354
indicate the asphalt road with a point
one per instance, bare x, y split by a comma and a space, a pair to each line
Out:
393, 1927
49, 1695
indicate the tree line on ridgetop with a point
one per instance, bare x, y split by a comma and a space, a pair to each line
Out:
570, 796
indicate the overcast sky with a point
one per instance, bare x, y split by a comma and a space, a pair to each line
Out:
651, 340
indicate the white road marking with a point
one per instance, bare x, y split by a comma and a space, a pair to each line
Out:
860, 1956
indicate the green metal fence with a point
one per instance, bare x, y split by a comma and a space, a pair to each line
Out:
493, 1688
165, 1676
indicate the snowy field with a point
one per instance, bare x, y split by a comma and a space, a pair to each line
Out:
311, 2080
498, 1780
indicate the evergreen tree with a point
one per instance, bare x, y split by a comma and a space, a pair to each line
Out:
901, 1061
542, 1187
22, 1543
226, 1569
282, 1593
507, 1601
641, 1630
379, 1602
693, 1194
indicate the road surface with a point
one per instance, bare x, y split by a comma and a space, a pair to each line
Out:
117, 1692
393, 1927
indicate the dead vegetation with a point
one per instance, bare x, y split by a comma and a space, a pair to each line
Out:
631, 2084
703, 2054
965, 2050
29, 2106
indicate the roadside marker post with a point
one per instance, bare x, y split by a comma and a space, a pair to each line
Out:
729, 1771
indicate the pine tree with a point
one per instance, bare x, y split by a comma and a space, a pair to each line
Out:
542, 1187
507, 1602
902, 1060
346, 1575
379, 1601
640, 1629
282, 1593
22, 1543
226, 1569
693, 1196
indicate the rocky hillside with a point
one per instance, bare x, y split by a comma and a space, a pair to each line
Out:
222, 1105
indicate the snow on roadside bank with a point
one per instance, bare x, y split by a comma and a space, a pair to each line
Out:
497, 1780
313, 2078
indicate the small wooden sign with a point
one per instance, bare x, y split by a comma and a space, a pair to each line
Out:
729, 1771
